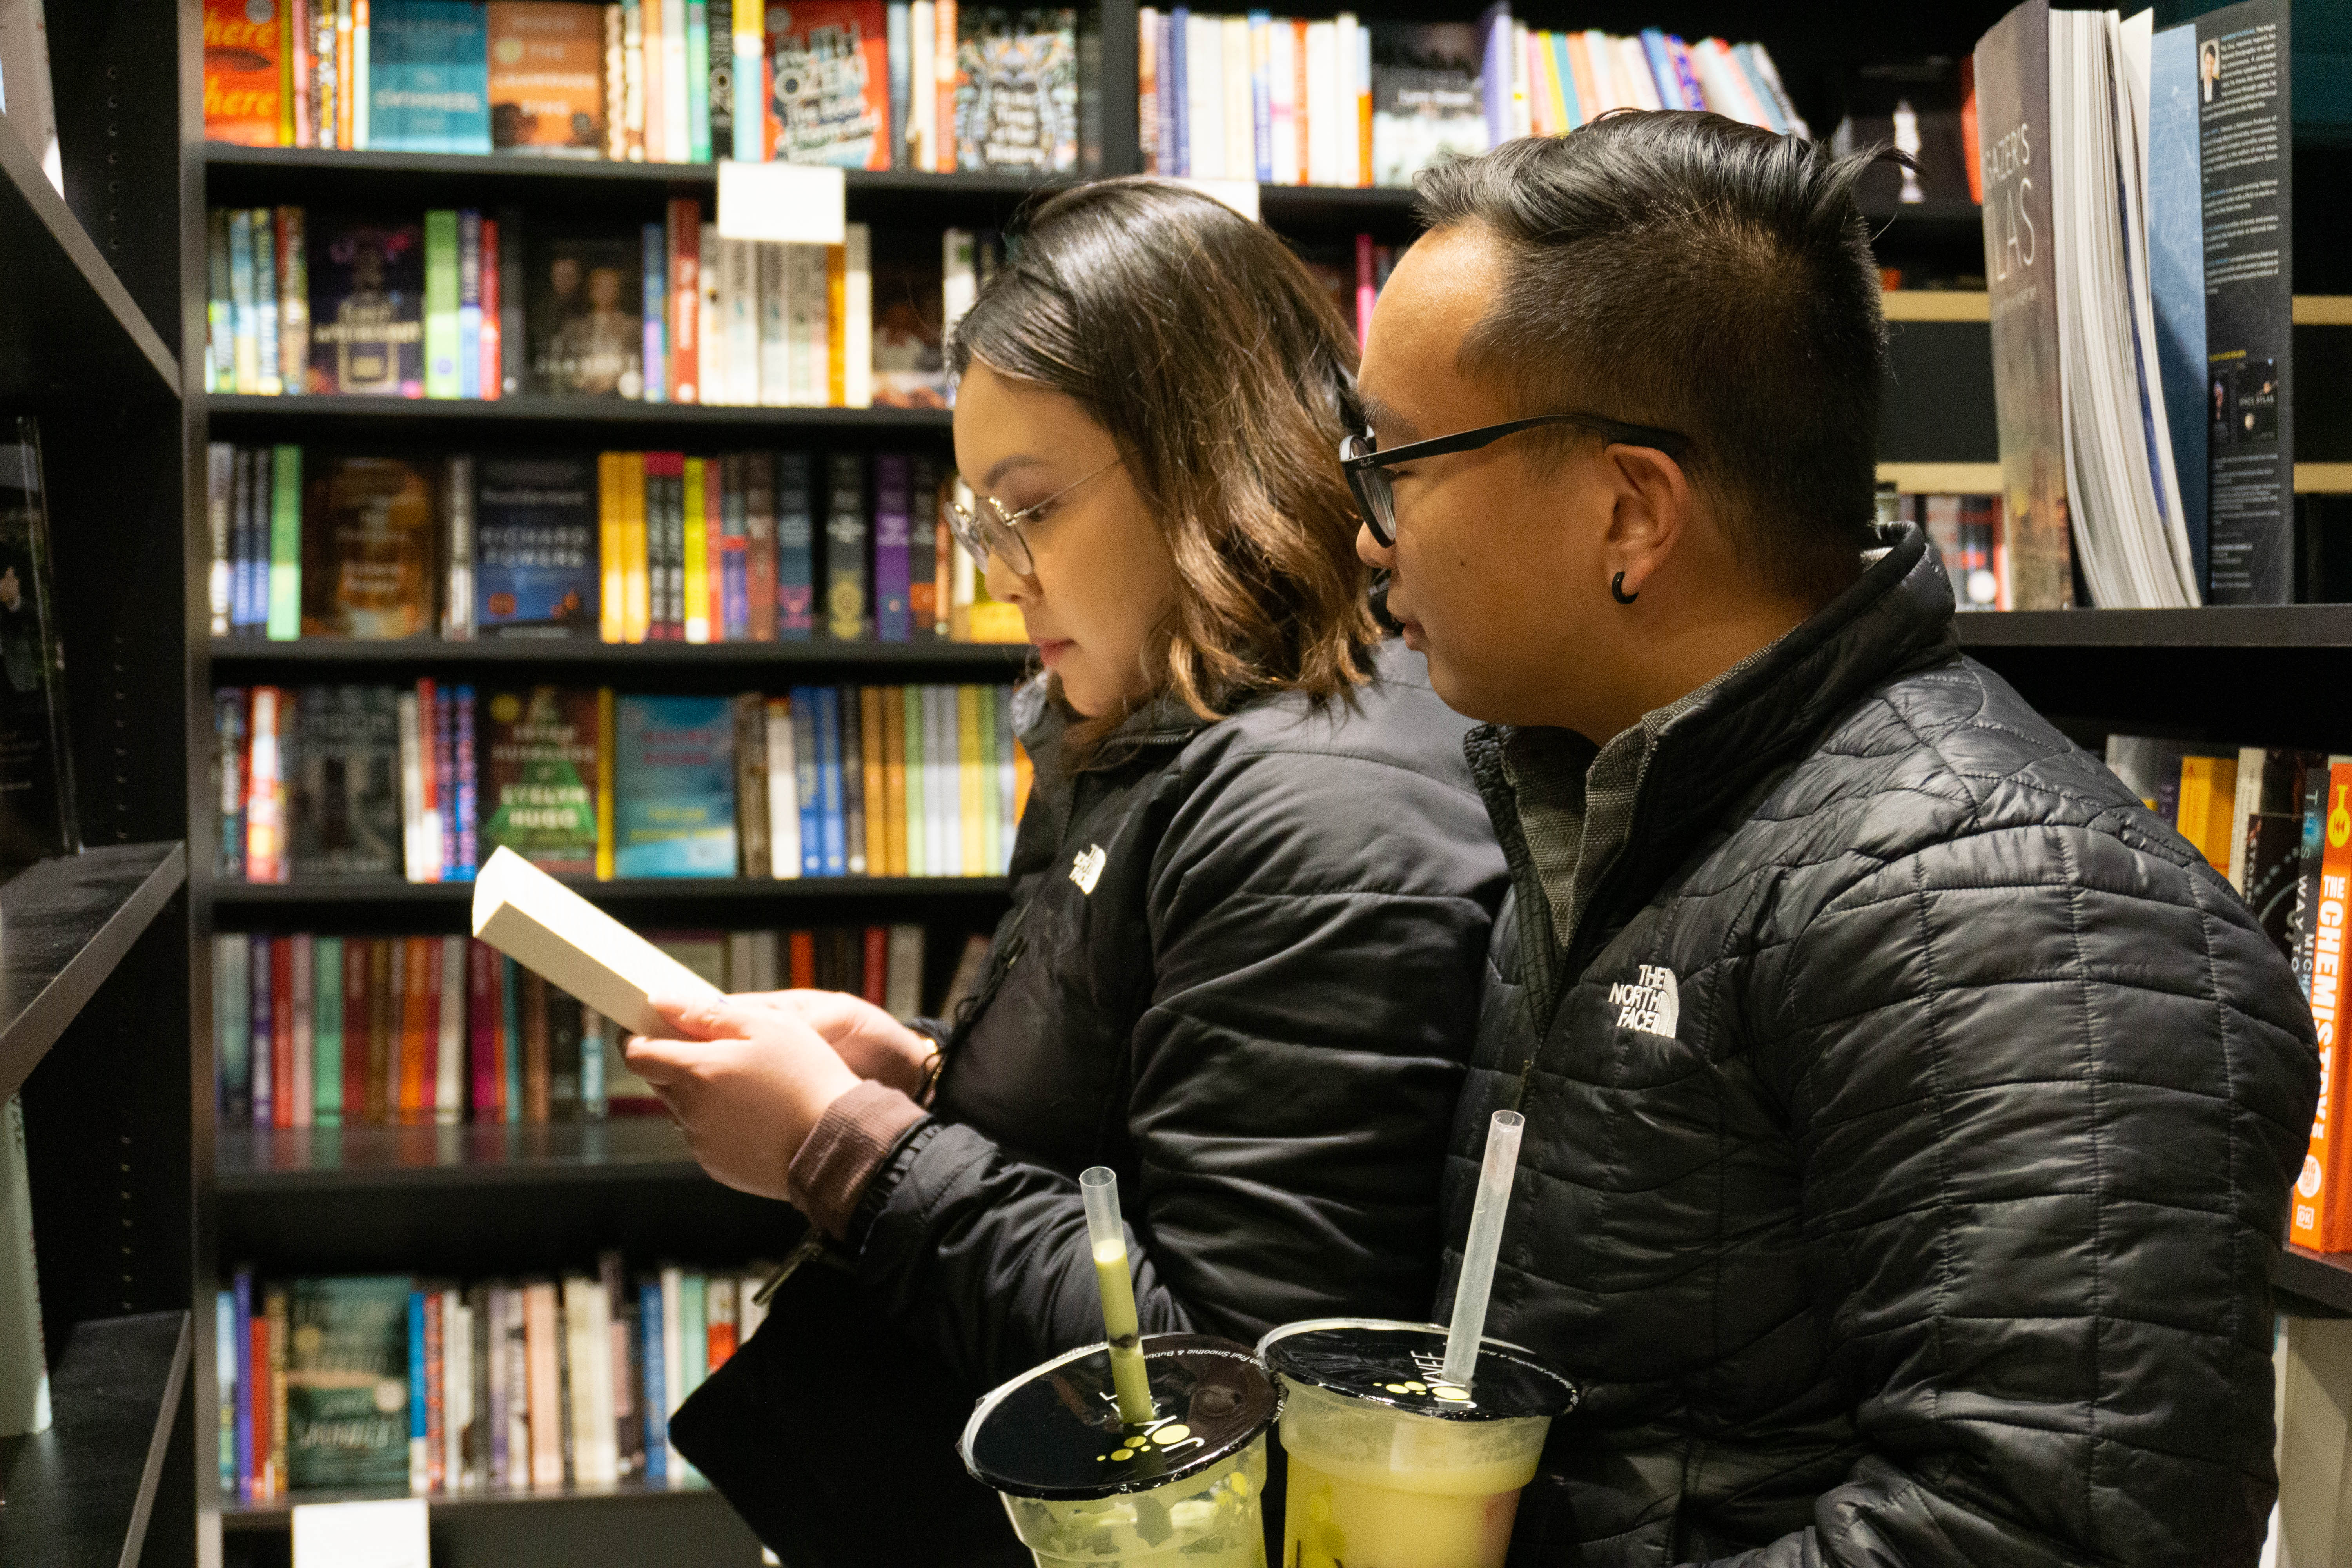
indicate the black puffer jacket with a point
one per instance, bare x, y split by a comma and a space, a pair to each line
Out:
1908, 1134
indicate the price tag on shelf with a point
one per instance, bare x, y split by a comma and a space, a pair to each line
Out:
1239, 194
389, 1535
798, 203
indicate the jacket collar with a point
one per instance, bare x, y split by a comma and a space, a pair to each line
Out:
1896, 617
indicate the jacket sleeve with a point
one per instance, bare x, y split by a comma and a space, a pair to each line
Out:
2047, 1086
1293, 1067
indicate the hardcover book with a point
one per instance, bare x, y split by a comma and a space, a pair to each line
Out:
536, 547
369, 546
343, 808
1427, 98
829, 75
37, 794
539, 777
347, 1383
547, 78
242, 50
1016, 95
674, 787
428, 77
587, 332
910, 369
367, 316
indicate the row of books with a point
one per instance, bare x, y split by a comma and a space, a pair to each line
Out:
928, 85
1287, 101
627, 547
1968, 534
315, 1030
385, 1381
460, 303
2278, 824
356, 781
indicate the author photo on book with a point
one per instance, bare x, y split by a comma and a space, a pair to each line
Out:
1910, 1113
1251, 891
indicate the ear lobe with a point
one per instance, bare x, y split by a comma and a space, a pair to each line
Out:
1652, 515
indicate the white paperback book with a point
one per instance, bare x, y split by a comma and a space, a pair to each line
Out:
568, 941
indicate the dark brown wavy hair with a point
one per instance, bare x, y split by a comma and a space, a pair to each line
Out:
1226, 377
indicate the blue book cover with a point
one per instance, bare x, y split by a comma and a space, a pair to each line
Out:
418, 1390
243, 1288
535, 563
795, 548
835, 824
674, 787
655, 311
649, 1318
428, 77
804, 780
2176, 266
1261, 98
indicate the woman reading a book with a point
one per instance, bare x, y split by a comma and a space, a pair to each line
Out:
1252, 886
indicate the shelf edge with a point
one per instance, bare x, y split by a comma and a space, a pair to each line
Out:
19, 168
72, 986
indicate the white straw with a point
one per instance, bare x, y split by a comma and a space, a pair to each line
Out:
1484, 1242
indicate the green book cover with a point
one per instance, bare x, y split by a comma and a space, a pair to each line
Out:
347, 1383
327, 1031
286, 544
538, 762
698, 80
441, 303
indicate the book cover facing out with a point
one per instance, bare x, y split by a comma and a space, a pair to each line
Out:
344, 805
367, 306
547, 78
241, 43
2012, 77
535, 558
673, 786
829, 96
1427, 98
910, 368
369, 546
1016, 96
36, 794
428, 77
539, 777
347, 1383
586, 312
2243, 118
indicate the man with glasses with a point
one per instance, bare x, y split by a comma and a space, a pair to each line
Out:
1910, 1114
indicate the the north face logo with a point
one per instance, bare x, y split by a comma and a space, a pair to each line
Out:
1649, 1001
1087, 868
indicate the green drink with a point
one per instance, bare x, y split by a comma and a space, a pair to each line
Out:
1390, 1467
1178, 1490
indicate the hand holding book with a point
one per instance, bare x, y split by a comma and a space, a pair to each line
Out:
867, 1038
747, 1082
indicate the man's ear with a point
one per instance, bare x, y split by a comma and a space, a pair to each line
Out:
1649, 514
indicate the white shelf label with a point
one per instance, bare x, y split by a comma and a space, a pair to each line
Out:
798, 203
389, 1535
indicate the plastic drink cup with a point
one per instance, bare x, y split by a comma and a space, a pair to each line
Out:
1389, 1465
1180, 1490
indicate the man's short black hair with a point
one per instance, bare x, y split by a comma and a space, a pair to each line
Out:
1681, 269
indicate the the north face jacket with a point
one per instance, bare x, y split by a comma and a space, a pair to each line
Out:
1910, 1119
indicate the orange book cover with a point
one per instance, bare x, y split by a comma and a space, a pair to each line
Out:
876, 970
1022, 772
243, 46
869, 761
945, 56
802, 949
2209, 791
417, 995
637, 583
686, 298
2322, 1216
547, 78
894, 780
836, 316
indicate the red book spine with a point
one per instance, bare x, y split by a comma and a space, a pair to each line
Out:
802, 949
1366, 290
433, 1401
2321, 1212
428, 733
686, 298
493, 357
257, 1403
481, 1022
356, 1014
281, 1032
877, 967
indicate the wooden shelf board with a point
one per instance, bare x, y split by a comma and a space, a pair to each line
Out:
728, 890
68, 326
79, 1495
277, 1515
64, 925
1942, 478
568, 411
274, 1163
2217, 626
1001, 659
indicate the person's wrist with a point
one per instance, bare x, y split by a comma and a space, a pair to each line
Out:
822, 1093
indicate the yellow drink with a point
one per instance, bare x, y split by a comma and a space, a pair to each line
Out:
1205, 1520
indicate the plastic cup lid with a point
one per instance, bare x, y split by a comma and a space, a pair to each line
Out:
1054, 1432
1397, 1364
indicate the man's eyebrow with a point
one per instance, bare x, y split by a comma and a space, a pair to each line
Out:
1004, 465
1381, 416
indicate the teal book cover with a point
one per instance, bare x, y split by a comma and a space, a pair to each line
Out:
347, 1383
673, 786
429, 77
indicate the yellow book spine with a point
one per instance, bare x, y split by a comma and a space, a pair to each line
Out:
637, 596
869, 760
968, 777
698, 557
604, 783
894, 780
611, 621
836, 315
1023, 774
2208, 788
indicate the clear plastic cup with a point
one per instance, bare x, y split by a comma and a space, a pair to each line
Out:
1181, 1490
1389, 1465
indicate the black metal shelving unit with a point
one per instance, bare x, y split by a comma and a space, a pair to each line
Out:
83, 1494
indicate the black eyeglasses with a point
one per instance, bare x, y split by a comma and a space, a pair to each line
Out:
1366, 465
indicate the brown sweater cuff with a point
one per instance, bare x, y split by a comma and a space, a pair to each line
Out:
849, 1144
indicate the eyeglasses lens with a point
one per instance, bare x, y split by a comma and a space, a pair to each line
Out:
984, 531
1374, 497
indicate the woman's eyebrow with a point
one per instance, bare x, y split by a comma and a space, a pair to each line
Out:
1005, 464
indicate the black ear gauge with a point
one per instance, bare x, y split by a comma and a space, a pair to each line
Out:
1617, 590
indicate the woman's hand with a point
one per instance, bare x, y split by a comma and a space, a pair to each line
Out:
873, 1044
747, 1081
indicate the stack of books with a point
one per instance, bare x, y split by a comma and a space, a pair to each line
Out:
355, 780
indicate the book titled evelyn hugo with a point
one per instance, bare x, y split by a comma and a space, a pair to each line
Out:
672, 789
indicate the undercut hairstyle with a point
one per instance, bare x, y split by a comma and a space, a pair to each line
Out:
1680, 270
1226, 376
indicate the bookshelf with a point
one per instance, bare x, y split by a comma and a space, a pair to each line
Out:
84, 1492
